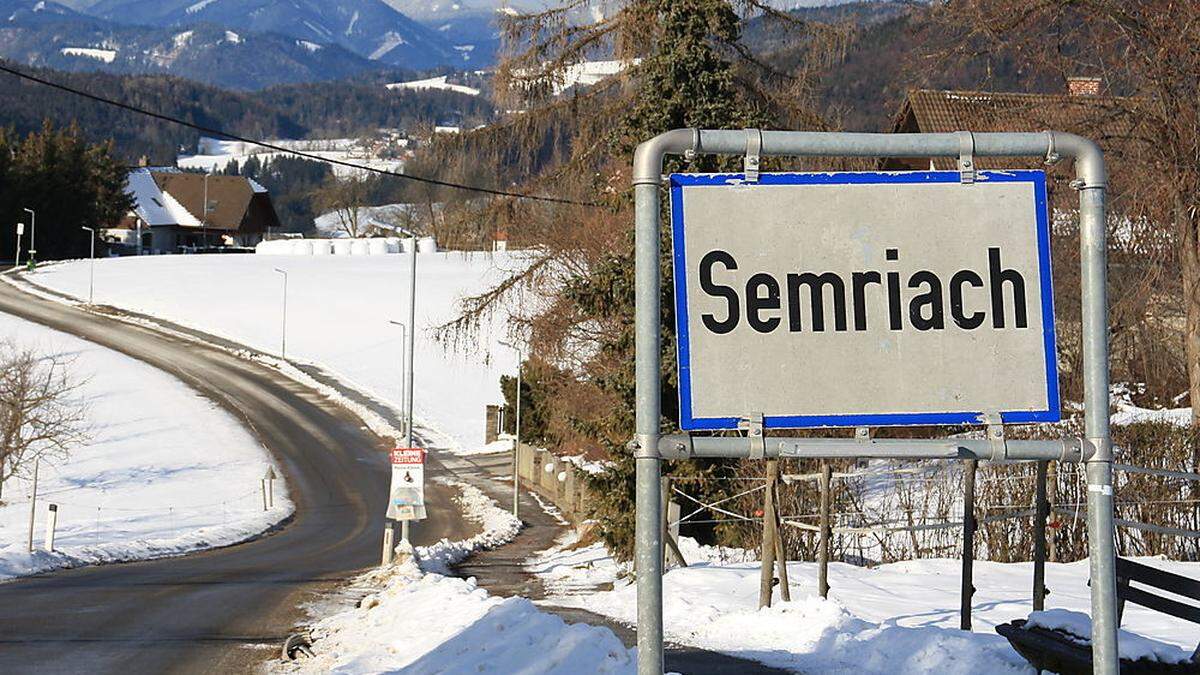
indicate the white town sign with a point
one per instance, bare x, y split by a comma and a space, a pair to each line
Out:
863, 299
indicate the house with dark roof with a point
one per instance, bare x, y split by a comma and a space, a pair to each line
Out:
177, 212
1083, 109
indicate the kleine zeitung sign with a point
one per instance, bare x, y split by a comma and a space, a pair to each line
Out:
863, 299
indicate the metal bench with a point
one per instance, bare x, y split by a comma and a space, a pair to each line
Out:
1058, 652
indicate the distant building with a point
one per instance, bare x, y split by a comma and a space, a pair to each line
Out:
1082, 109
169, 214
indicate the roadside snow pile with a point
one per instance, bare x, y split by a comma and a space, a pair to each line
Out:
1129, 645
423, 622
897, 618
339, 311
428, 623
166, 471
499, 527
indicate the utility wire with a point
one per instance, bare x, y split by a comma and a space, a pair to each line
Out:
278, 148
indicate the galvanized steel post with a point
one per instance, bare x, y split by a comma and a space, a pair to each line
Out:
1091, 181
648, 543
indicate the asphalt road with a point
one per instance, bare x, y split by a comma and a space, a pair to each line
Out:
225, 609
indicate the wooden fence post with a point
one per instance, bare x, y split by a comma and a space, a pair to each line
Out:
968, 554
1039, 538
825, 483
767, 557
671, 549
785, 592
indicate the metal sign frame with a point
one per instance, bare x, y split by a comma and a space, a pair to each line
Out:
650, 447
1037, 179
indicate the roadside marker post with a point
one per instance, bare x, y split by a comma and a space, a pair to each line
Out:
51, 525
20, 231
757, 257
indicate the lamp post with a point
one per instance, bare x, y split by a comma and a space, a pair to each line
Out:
92, 264
411, 334
405, 365
283, 330
517, 437
32, 237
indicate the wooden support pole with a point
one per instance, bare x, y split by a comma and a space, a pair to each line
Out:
1042, 507
825, 484
968, 554
767, 557
785, 592
671, 549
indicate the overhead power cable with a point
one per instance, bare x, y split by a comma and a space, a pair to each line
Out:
289, 151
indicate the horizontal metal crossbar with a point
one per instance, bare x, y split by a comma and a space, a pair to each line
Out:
682, 446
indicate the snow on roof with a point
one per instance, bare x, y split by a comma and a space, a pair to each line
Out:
256, 186
434, 83
154, 206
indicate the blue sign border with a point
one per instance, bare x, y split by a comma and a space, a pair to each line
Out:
688, 422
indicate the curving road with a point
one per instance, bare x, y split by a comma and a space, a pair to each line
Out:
225, 609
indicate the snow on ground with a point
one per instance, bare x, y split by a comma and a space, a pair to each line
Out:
418, 621
897, 618
338, 315
166, 471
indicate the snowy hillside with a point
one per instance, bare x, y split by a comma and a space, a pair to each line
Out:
339, 314
166, 470
233, 57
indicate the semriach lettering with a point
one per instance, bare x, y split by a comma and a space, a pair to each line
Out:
823, 301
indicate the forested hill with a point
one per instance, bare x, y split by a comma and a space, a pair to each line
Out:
327, 109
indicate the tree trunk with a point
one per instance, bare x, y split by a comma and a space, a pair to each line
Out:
1189, 263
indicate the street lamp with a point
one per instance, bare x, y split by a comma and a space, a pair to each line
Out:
408, 389
283, 332
404, 370
32, 237
92, 264
517, 436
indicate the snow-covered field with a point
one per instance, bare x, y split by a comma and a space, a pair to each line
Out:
897, 618
338, 315
216, 154
165, 472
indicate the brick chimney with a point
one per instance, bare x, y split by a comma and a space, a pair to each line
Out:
1083, 86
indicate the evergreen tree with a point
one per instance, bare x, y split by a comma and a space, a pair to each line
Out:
69, 182
692, 73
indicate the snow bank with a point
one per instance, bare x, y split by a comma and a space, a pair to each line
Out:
498, 528
339, 314
428, 623
166, 471
897, 618
422, 622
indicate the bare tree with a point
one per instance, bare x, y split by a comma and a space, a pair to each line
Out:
41, 414
1146, 49
345, 196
